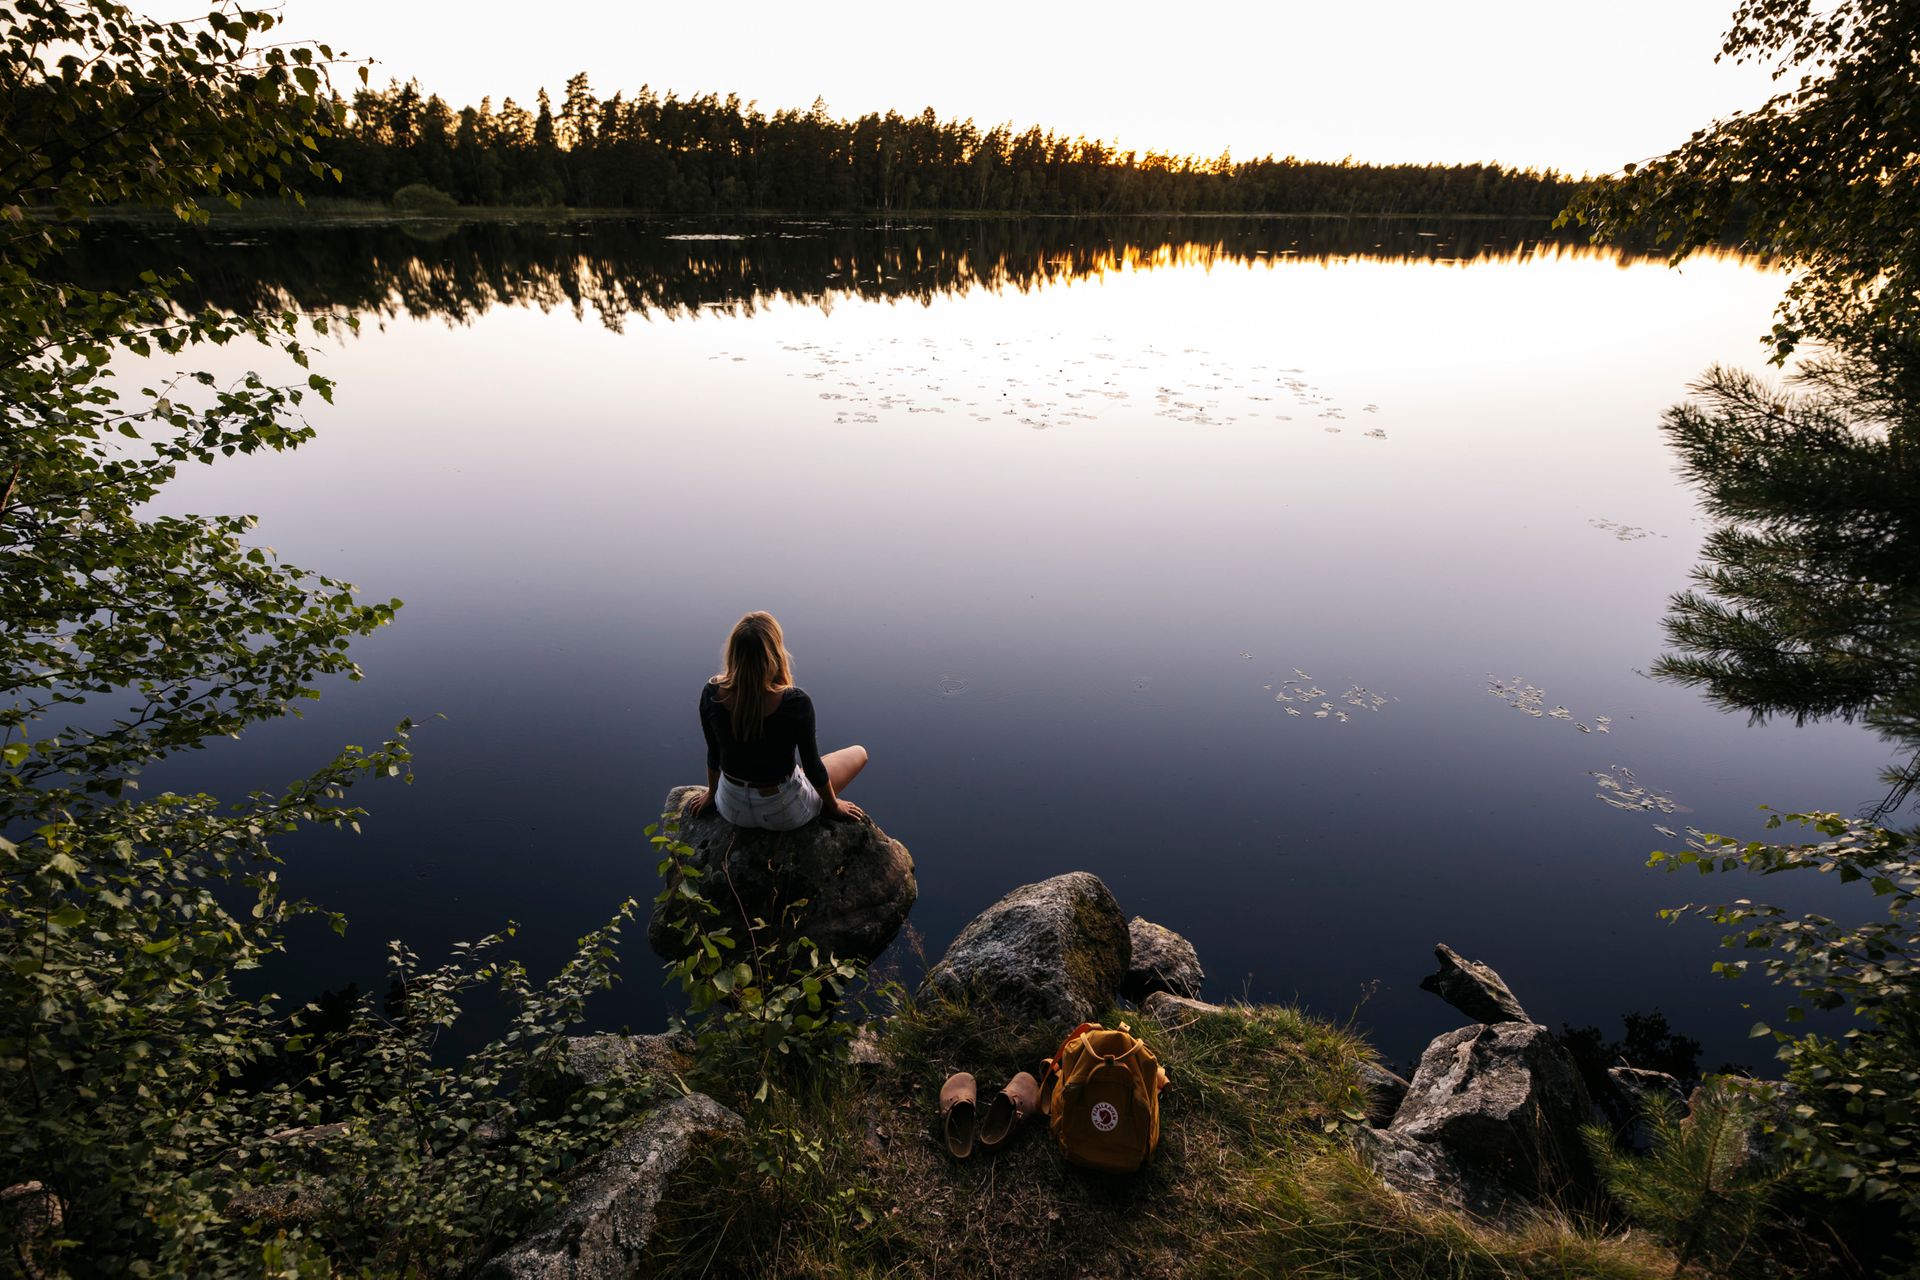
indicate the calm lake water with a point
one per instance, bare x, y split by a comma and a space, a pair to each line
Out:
1211, 557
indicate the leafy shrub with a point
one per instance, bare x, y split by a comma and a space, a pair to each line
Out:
418, 197
422, 1166
762, 1015
1857, 1125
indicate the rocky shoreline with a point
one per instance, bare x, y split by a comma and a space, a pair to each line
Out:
1488, 1126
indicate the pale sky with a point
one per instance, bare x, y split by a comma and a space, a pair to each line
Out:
1576, 87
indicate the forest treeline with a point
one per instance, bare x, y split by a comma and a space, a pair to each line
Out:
711, 154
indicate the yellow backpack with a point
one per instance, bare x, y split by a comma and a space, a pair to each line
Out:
1101, 1097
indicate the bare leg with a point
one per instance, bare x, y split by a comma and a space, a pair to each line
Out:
843, 766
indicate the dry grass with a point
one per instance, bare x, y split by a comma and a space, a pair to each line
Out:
1248, 1179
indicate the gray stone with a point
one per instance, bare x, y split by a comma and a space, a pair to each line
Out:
1767, 1104
302, 1158
1055, 951
594, 1060
283, 1204
1428, 1174
1385, 1091
603, 1228
1175, 1012
864, 1050
856, 881
1162, 961
1505, 1098
31, 1216
1472, 988
1626, 1103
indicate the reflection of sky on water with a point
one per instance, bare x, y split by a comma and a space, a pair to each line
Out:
1062, 646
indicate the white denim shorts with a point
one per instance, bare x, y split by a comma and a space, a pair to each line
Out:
795, 804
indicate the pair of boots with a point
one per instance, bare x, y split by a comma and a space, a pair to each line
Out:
1005, 1112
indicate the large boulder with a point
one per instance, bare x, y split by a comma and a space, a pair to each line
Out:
603, 1227
1055, 951
857, 882
1429, 1174
1472, 988
1162, 961
1507, 1099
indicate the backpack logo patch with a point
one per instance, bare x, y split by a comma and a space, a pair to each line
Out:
1105, 1117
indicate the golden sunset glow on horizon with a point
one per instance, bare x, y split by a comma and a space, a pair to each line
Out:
1519, 84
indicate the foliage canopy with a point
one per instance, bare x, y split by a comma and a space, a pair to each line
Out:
1821, 175
138, 1085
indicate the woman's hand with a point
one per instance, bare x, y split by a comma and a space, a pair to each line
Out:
845, 812
694, 804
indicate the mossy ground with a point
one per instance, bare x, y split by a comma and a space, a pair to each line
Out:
849, 1176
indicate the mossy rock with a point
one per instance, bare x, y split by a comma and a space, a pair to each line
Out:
1055, 952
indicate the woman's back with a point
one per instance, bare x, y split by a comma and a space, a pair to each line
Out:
787, 728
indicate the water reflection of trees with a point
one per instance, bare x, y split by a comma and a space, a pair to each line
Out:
617, 269
1808, 602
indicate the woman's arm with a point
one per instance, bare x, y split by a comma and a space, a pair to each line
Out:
831, 806
695, 804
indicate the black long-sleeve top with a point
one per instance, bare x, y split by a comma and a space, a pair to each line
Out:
769, 758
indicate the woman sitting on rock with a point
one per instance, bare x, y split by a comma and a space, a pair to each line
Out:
756, 722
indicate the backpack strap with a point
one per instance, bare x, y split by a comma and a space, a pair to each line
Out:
1050, 1068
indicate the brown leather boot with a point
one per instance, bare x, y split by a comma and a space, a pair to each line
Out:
1009, 1109
957, 1098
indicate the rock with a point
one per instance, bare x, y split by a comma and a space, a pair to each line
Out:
1625, 1102
1385, 1091
301, 1160
1174, 1012
1428, 1174
603, 1227
1162, 961
1055, 951
30, 1219
1472, 988
283, 1204
1767, 1104
857, 882
1505, 1098
864, 1050
594, 1060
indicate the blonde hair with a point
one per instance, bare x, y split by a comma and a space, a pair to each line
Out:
754, 663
